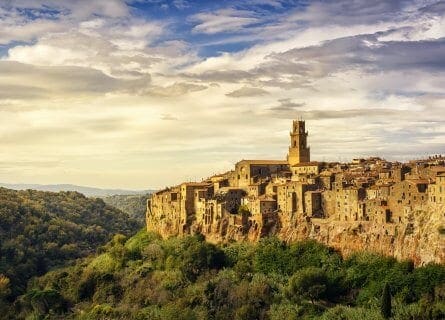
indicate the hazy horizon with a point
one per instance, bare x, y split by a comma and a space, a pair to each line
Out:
141, 94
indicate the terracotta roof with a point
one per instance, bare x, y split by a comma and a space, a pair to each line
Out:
226, 189
418, 181
195, 184
264, 161
307, 164
266, 198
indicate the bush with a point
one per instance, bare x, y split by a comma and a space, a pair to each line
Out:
272, 256
310, 283
198, 256
286, 311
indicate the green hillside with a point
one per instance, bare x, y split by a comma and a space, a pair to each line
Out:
42, 230
145, 277
134, 205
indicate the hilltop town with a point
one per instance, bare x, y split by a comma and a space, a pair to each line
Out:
393, 208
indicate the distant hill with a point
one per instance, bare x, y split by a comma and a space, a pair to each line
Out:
134, 205
88, 191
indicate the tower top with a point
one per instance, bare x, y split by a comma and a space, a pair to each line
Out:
298, 126
299, 152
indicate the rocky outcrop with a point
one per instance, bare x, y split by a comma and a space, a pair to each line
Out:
421, 238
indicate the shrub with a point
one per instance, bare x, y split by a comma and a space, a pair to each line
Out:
310, 283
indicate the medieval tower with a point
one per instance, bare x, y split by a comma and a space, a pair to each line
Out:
299, 152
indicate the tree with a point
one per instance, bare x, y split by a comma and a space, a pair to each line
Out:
385, 306
308, 283
198, 256
272, 256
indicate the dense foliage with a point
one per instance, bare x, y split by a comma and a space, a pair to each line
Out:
145, 277
134, 205
42, 230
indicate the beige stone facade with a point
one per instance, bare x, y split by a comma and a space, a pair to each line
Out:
297, 198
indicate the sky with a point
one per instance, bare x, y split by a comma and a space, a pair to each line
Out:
149, 93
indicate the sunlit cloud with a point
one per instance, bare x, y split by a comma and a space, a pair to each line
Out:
147, 93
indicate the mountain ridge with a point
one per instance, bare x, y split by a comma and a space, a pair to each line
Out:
87, 191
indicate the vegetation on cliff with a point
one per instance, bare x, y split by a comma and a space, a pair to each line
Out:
42, 230
134, 205
145, 277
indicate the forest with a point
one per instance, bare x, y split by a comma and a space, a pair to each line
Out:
66, 256
43, 230
134, 205
146, 277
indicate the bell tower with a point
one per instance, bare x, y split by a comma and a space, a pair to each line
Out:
299, 152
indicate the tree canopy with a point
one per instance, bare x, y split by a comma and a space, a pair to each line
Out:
146, 277
42, 230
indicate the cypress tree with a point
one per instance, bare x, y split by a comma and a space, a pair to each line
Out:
385, 306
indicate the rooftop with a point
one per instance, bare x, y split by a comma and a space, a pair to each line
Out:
307, 164
263, 161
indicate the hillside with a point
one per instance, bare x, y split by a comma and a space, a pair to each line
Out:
134, 205
42, 230
88, 191
145, 277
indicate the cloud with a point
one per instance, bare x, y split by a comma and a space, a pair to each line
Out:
23, 20
11, 30
302, 66
175, 90
119, 76
220, 76
348, 113
30, 81
76, 8
80, 49
168, 117
365, 52
103, 125
287, 105
181, 4
247, 92
223, 21
13, 92
344, 12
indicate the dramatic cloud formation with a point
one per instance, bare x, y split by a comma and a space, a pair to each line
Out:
147, 93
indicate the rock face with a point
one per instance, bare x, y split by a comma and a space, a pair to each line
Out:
422, 240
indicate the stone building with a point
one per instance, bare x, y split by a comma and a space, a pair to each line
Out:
284, 197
